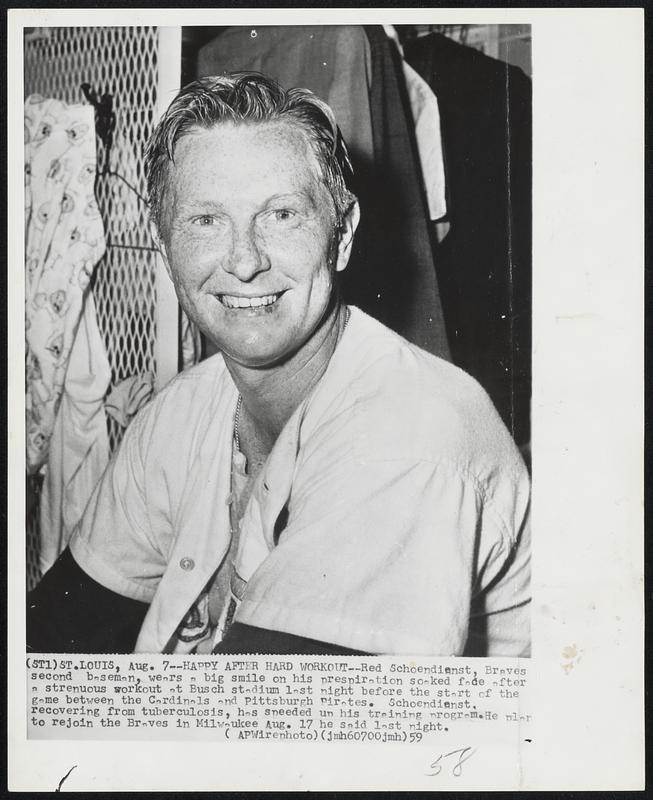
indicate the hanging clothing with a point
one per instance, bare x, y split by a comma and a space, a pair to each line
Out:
190, 340
484, 262
64, 239
128, 397
79, 446
67, 371
391, 273
333, 61
426, 117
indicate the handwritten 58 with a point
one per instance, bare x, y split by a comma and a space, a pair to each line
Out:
463, 753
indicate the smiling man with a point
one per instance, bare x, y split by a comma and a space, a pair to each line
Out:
318, 486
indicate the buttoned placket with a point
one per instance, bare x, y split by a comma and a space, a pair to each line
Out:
202, 522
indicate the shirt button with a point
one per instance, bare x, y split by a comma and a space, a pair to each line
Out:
187, 563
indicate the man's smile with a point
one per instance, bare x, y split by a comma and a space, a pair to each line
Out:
257, 301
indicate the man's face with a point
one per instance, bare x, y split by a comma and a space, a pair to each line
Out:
248, 234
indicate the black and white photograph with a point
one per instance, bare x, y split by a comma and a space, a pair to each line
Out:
344, 212
302, 347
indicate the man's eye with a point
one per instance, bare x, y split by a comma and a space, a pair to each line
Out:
283, 215
204, 220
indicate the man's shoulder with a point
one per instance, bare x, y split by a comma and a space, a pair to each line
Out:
192, 396
206, 376
407, 403
390, 370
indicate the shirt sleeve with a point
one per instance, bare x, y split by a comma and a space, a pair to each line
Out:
69, 612
501, 610
114, 542
377, 556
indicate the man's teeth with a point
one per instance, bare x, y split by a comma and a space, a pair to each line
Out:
248, 302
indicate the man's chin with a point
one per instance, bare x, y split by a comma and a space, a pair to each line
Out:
257, 359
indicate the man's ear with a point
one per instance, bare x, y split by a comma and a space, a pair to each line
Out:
158, 243
347, 231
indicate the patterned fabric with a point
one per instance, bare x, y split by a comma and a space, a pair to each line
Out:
64, 240
195, 625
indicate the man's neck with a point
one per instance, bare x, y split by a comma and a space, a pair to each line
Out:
270, 396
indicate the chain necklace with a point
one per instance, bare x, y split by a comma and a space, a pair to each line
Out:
239, 404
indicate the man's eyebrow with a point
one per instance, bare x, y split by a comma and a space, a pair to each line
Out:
298, 195
197, 204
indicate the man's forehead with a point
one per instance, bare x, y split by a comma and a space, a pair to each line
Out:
249, 162
261, 136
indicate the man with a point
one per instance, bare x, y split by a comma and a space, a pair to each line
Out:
320, 485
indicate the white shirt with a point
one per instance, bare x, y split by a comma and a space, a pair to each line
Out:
406, 500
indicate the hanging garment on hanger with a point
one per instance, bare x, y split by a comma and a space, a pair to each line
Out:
390, 274
426, 118
331, 60
64, 239
79, 446
484, 262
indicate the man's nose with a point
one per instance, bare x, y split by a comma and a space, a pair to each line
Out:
247, 257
